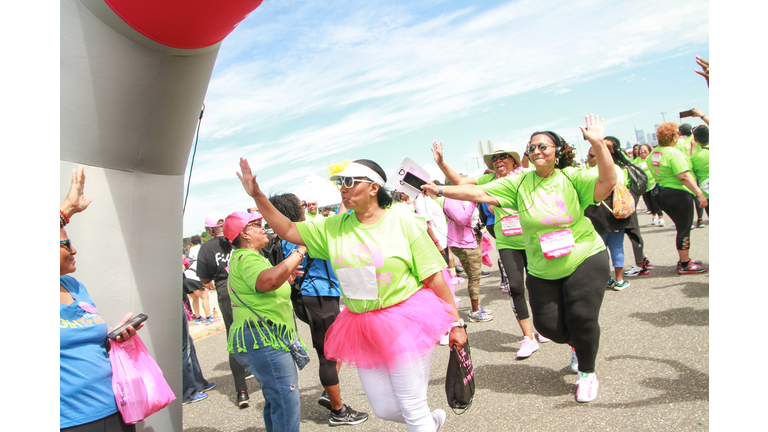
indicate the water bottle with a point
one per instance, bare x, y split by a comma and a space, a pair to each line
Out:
215, 314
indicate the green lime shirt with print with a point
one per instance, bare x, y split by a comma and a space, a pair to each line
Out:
548, 205
504, 241
665, 164
245, 265
397, 245
700, 165
684, 144
643, 163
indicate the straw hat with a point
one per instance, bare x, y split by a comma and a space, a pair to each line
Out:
501, 148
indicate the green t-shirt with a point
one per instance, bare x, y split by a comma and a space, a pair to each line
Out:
643, 163
504, 241
684, 144
308, 215
549, 205
397, 245
245, 265
665, 164
700, 167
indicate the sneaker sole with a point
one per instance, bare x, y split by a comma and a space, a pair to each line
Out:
519, 357
474, 320
685, 272
325, 403
331, 423
619, 288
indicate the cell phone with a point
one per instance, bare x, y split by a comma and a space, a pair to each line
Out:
684, 114
135, 321
412, 180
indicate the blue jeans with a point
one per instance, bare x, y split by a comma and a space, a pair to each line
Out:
614, 241
279, 380
192, 375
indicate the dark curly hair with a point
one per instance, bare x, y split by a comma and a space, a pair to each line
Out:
565, 153
288, 205
382, 196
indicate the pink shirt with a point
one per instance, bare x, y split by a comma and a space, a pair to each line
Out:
459, 216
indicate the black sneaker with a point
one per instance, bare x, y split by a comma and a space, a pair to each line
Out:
243, 401
324, 401
700, 224
692, 267
348, 416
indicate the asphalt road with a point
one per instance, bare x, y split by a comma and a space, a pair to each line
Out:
653, 363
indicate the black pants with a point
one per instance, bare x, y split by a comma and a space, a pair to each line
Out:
319, 313
566, 310
225, 304
678, 204
515, 262
652, 202
110, 423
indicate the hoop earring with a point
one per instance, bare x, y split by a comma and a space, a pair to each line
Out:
557, 161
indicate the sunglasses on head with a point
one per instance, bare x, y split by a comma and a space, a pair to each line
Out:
348, 182
66, 243
499, 157
541, 147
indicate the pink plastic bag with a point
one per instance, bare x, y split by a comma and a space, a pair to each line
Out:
487, 247
139, 386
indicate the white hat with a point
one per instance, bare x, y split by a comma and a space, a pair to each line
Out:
213, 218
359, 170
500, 149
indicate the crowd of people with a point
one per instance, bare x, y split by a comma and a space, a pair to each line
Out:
374, 279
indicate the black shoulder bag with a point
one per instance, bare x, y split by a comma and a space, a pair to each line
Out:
460, 379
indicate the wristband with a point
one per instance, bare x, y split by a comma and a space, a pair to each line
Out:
63, 217
459, 323
439, 190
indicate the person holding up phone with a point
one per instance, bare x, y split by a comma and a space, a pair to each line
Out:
86, 399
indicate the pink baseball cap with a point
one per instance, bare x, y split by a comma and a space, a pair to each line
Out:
236, 221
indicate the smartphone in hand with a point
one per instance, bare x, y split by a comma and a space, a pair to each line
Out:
135, 321
684, 114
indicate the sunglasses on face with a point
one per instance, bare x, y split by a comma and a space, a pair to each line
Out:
499, 157
254, 224
541, 147
349, 182
67, 244
590, 155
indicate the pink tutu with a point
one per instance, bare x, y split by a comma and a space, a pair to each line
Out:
401, 332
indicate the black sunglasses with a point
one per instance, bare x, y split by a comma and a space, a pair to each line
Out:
499, 157
590, 155
542, 147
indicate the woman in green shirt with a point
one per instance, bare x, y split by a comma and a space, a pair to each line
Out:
567, 260
263, 324
677, 187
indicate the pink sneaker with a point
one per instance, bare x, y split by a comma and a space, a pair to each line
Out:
542, 339
527, 348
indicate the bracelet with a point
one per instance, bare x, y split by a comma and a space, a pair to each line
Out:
64, 218
299, 252
439, 190
459, 323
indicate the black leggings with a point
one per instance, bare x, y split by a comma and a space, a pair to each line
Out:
652, 203
322, 311
566, 310
515, 262
678, 204
225, 304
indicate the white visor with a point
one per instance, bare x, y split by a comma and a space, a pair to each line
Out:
359, 170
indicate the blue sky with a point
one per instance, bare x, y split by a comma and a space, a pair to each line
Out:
299, 85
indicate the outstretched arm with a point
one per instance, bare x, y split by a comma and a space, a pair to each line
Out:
283, 226
75, 202
703, 116
704, 69
470, 192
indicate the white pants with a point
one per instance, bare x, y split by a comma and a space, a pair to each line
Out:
401, 395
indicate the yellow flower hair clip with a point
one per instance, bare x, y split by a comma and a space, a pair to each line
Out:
337, 167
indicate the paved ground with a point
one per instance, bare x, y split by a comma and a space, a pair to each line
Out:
653, 363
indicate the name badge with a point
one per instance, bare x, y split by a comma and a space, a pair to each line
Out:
656, 158
556, 244
359, 283
510, 225
704, 186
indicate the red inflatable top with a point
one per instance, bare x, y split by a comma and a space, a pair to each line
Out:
187, 24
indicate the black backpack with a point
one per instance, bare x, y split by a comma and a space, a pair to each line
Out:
273, 251
638, 180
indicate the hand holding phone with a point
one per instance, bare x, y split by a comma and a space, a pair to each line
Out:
135, 322
684, 114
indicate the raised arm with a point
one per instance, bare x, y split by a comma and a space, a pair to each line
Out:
75, 202
283, 226
698, 113
450, 174
594, 133
704, 68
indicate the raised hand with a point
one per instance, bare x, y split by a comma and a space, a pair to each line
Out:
430, 189
704, 68
75, 202
595, 130
248, 179
437, 152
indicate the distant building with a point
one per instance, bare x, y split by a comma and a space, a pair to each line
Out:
640, 135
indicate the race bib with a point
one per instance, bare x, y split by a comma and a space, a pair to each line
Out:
656, 158
359, 283
704, 186
557, 244
510, 225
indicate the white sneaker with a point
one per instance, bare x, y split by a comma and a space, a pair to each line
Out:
635, 271
587, 387
527, 348
655, 220
541, 338
439, 416
574, 361
661, 222
486, 310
